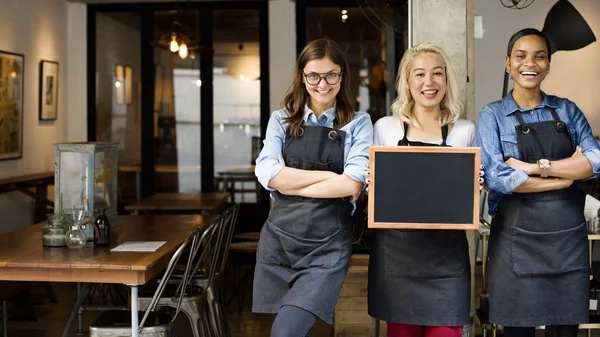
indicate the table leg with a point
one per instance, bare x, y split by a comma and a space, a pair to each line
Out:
138, 186
134, 310
5, 318
81, 289
41, 195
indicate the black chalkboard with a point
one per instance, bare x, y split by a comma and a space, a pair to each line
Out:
424, 187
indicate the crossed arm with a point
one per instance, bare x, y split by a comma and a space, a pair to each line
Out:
274, 175
515, 175
561, 174
314, 184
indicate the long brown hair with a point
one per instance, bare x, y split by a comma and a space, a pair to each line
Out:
296, 96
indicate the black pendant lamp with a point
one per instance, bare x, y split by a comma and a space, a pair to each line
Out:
566, 29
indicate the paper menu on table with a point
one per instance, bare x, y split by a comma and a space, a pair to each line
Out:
138, 246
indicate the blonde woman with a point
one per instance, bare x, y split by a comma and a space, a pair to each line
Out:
419, 280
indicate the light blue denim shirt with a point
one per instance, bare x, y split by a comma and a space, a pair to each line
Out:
359, 136
497, 138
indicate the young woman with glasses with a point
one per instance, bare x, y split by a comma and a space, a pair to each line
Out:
314, 163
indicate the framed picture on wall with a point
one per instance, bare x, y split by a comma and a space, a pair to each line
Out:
12, 67
119, 84
48, 90
128, 85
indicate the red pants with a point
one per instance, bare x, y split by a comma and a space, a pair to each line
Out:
409, 330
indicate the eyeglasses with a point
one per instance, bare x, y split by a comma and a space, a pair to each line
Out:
330, 78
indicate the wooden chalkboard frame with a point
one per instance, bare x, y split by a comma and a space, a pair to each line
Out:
424, 149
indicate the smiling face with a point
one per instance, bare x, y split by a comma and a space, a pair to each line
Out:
427, 80
528, 63
322, 95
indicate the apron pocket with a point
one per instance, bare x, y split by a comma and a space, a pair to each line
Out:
281, 248
425, 253
549, 253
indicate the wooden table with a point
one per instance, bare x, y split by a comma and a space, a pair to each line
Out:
40, 182
23, 258
205, 203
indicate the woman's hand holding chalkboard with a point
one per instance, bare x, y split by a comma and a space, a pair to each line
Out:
368, 180
480, 179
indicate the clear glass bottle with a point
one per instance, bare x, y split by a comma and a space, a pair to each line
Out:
85, 221
75, 237
53, 233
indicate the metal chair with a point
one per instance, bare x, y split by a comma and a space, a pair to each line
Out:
216, 309
154, 323
193, 299
217, 312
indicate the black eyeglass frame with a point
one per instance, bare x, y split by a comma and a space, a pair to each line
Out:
323, 76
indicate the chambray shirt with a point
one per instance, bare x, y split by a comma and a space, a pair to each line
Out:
359, 136
497, 138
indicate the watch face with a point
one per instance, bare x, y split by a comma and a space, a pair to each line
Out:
544, 162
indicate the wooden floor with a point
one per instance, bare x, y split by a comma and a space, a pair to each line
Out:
52, 317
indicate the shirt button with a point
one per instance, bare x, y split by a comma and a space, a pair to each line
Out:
532, 111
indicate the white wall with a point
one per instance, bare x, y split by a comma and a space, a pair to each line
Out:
41, 29
575, 74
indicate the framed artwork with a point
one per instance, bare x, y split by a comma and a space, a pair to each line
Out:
119, 84
48, 90
128, 85
12, 67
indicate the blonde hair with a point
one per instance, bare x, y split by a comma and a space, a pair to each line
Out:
451, 106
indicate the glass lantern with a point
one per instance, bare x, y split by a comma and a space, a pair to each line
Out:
85, 178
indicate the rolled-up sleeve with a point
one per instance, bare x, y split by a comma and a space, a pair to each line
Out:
499, 177
358, 155
267, 163
587, 142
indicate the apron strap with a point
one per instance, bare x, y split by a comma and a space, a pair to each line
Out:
405, 138
444, 134
524, 127
560, 125
519, 117
554, 114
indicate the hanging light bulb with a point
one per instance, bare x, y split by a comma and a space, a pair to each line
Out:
344, 15
183, 51
173, 46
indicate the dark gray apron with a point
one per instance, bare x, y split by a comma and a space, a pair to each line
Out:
538, 270
305, 244
420, 277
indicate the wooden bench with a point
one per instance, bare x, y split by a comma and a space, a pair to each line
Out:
351, 318
39, 182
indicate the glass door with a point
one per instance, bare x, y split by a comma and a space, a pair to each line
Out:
177, 110
236, 85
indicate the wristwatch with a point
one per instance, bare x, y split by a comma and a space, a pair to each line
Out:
544, 165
